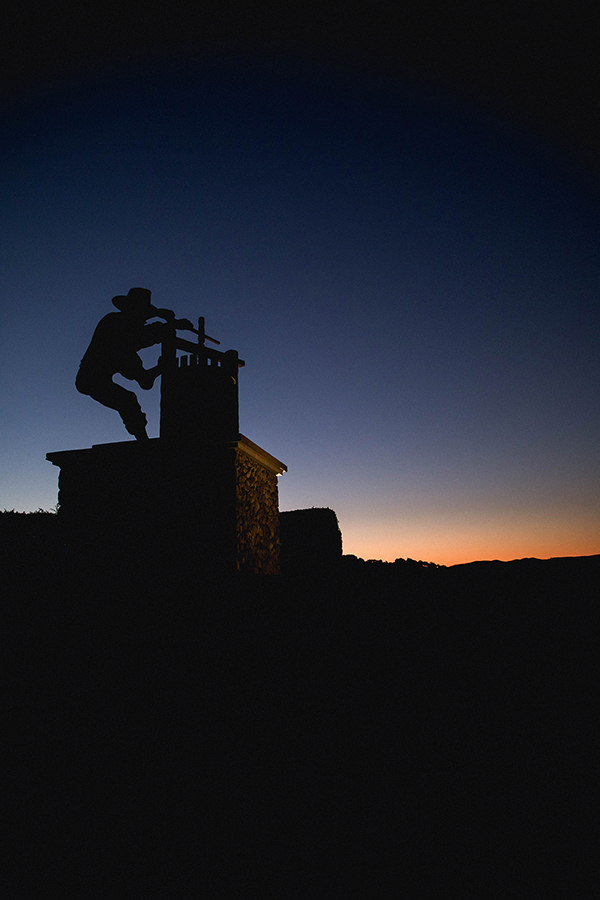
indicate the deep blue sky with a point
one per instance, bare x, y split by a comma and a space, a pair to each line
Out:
412, 282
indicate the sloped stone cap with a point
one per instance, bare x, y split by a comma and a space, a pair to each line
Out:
261, 456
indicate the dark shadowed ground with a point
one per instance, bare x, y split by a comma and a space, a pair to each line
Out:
367, 731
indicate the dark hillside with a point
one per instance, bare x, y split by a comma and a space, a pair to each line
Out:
371, 731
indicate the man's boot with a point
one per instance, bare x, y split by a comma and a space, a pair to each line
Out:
136, 425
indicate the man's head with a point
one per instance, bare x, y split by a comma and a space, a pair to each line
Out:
136, 301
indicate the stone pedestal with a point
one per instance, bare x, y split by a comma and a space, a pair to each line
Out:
201, 498
191, 505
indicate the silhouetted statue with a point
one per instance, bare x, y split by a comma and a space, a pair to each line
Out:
113, 350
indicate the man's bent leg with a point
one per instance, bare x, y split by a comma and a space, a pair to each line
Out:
134, 369
106, 392
126, 404
135, 422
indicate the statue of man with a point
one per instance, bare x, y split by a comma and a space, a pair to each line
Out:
113, 350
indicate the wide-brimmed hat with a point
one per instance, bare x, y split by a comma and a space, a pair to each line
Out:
137, 299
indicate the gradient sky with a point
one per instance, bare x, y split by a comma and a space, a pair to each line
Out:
412, 282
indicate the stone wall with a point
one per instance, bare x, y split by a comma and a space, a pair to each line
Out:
257, 516
137, 505
161, 507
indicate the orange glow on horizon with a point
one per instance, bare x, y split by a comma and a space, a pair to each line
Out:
458, 544
481, 553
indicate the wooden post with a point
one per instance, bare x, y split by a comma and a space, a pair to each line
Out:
168, 366
169, 349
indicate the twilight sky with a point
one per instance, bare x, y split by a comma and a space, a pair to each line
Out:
411, 278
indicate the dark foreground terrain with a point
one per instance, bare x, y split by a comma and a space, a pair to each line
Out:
364, 731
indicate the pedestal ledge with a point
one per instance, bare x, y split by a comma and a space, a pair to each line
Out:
120, 448
243, 443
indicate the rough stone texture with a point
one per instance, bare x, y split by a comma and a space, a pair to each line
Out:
310, 539
257, 516
155, 505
